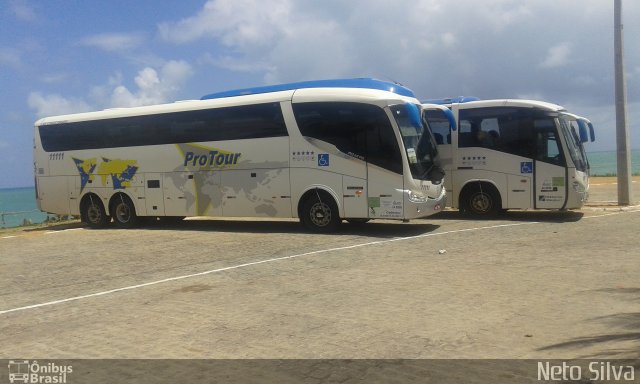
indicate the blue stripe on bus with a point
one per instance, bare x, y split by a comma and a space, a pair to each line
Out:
366, 83
459, 99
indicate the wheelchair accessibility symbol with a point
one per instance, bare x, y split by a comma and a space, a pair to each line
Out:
323, 159
526, 167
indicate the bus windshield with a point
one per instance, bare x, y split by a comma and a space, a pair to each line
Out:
419, 144
569, 128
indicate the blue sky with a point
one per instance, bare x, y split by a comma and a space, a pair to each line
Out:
60, 57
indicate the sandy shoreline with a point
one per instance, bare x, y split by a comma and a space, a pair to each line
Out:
593, 180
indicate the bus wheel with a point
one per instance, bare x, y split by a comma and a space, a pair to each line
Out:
92, 212
123, 211
481, 200
320, 213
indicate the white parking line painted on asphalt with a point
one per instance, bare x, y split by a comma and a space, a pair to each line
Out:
176, 278
63, 230
46, 233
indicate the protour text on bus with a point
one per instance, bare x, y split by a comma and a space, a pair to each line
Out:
213, 158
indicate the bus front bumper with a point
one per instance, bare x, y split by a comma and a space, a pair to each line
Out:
423, 206
578, 195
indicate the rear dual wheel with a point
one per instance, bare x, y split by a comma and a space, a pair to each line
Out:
92, 212
123, 211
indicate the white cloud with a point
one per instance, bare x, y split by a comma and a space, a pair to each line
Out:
53, 104
236, 23
557, 56
277, 37
153, 87
113, 41
304, 39
500, 48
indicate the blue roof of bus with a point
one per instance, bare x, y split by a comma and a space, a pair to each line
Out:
459, 99
366, 83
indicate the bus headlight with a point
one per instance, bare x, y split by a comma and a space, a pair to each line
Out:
417, 197
578, 187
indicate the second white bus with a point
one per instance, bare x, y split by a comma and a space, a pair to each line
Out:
355, 149
512, 154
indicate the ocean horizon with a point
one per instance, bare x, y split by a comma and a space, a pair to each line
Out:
18, 205
604, 163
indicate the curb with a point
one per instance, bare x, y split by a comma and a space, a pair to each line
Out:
609, 206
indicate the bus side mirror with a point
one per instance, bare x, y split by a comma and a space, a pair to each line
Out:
446, 111
582, 128
452, 120
592, 132
414, 114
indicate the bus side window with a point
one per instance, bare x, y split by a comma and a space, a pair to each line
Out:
382, 145
465, 135
548, 148
489, 134
440, 126
340, 124
522, 137
504, 129
359, 130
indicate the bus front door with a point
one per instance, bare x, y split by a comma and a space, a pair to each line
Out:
385, 193
550, 172
551, 186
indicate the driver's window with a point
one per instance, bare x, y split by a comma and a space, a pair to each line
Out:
552, 148
440, 126
548, 147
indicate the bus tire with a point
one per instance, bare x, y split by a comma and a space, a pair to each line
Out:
92, 212
481, 200
123, 211
320, 212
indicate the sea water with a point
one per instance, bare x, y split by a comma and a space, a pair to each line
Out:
605, 163
18, 205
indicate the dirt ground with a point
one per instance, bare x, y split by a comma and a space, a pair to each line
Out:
529, 285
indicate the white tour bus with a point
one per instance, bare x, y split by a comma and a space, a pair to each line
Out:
322, 151
512, 154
